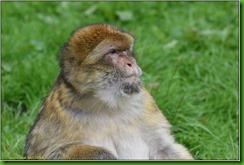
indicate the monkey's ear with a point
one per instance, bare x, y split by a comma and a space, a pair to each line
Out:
61, 57
67, 59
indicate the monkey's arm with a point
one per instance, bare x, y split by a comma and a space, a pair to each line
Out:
162, 145
55, 137
81, 152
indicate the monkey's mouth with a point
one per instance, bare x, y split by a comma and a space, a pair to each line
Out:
131, 84
132, 75
133, 78
127, 84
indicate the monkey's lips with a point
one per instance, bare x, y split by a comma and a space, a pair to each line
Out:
132, 75
131, 78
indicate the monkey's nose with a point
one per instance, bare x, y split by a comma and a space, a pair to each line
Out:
129, 64
132, 69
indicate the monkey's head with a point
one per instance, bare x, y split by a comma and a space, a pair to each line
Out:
99, 58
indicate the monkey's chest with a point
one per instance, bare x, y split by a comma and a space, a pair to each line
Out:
123, 143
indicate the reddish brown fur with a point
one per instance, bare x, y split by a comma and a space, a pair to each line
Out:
86, 39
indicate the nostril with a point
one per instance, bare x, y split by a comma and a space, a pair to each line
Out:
129, 64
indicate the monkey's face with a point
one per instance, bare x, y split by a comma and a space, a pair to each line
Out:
99, 59
115, 67
122, 71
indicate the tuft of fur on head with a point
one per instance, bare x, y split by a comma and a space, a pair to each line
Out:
85, 39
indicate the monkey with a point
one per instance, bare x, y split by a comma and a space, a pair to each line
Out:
98, 108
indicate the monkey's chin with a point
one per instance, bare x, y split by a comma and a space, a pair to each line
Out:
129, 89
115, 93
131, 85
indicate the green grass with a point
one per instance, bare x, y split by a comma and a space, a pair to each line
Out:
187, 50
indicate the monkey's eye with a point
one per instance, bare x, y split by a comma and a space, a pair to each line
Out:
113, 51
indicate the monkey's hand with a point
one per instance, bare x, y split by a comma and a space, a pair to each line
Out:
81, 152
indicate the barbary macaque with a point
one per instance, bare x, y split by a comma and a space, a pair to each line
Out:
98, 107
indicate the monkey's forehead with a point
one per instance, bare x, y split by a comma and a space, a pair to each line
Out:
90, 36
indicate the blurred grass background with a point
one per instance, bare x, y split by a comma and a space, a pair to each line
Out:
187, 50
